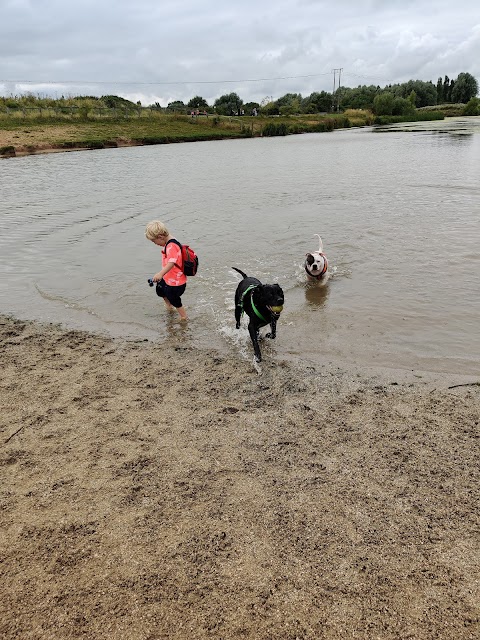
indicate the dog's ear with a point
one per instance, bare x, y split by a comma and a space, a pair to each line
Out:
310, 259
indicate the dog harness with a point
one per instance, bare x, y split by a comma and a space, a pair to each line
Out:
255, 310
324, 270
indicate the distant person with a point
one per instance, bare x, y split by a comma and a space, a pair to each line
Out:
171, 281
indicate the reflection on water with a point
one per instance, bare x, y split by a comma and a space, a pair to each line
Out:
316, 295
398, 215
454, 127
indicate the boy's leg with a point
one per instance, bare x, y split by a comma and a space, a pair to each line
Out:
182, 312
174, 299
161, 290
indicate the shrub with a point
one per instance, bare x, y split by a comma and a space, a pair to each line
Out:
83, 111
402, 107
342, 122
8, 150
383, 104
287, 110
93, 144
296, 128
246, 131
273, 129
329, 124
472, 108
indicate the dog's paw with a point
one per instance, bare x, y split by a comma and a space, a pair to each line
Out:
270, 335
237, 326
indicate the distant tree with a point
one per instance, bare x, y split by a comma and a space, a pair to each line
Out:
450, 91
465, 88
361, 97
287, 110
197, 103
412, 98
250, 106
317, 103
270, 109
288, 99
439, 91
425, 92
446, 89
289, 104
228, 104
402, 107
383, 104
176, 105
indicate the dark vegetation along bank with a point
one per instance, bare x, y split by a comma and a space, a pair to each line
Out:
30, 124
33, 133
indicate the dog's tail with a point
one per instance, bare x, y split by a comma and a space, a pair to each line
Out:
240, 272
320, 248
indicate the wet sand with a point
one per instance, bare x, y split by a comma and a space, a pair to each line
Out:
157, 491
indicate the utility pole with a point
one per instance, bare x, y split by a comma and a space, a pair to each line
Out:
334, 71
339, 76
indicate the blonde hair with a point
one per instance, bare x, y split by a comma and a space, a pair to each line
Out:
156, 229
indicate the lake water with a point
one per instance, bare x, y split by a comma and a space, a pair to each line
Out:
398, 209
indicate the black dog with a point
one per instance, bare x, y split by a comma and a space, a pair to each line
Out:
262, 303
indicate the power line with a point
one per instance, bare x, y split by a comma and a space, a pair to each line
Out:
83, 82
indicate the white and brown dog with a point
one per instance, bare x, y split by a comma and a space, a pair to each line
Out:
316, 264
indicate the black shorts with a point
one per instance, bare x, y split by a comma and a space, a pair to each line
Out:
172, 294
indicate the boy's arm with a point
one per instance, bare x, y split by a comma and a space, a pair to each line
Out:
158, 276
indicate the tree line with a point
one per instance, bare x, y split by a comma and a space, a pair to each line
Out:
393, 99
399, 99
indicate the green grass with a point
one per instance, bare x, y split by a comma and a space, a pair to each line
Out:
33, 131
448, 109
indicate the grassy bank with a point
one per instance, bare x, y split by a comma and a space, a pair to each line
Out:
31, 132
449, 110
418, 116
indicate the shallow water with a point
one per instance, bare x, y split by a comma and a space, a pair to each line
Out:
397, 208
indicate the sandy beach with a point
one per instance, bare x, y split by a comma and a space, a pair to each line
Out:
158, 491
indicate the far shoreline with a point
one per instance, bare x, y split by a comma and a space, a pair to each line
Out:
23, 137
21, 152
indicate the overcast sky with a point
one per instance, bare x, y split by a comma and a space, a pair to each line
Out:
164, 50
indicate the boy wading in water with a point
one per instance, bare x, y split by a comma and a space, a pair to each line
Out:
171, 281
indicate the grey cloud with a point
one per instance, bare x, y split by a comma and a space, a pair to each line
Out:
125, 43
